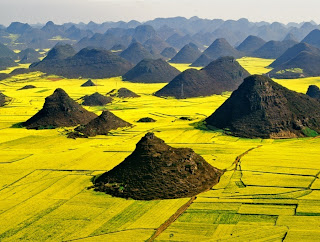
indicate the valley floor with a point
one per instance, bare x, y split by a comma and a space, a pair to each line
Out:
271, 190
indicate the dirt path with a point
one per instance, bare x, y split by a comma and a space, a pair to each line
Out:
173, 218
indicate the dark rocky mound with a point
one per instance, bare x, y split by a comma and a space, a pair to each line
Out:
75, 135
6, 52
96, 99
305, 64
224, 74
87, 63
186, 118
219, 48
102, 125
6, 62
146, 120
169, 52
136, 53
273, 49
59, 110
88, 83
313, 38
4, 99
203, 60
151, 71
27, 87
314, 92
293, 52
122, 93
188, 54
60, 52
28, 56
251, 44
261, 108
156, 170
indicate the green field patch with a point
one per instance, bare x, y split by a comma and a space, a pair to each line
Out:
309, 132
231, 207
267, 209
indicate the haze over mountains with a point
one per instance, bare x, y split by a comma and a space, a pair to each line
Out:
113, 48
162, 32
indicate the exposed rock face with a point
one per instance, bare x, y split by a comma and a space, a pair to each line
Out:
219, 48
314, 92
102, 125
96, 99
87, 63
188, 54
4, 99
88, 83
169, 52
224, 74
151, 71
251, 44
59, 110
122, 93
261, 108
27, 87
136, 53
156, 170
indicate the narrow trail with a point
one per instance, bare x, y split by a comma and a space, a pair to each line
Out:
237, 161
236, 178
173, 218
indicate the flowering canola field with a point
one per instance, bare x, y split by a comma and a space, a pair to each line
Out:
274, 194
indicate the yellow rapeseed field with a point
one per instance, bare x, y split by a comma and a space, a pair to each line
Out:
44, 177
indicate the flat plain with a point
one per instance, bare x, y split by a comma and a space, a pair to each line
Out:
272, 192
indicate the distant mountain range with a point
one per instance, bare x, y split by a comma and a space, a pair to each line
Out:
156, 34
119, 46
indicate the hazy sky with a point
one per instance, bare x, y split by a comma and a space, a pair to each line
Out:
61, 11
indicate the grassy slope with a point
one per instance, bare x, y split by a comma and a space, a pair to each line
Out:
44, 176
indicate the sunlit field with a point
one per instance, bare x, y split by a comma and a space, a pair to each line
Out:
272, 193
